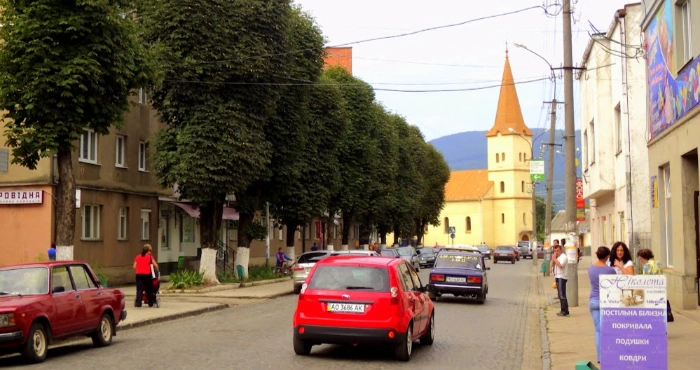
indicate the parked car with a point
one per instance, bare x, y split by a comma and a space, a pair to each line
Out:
484, 249
462, 274
43, 302
410, 255
525, 249
307, 260
362, 300
390, 252
426, 256
504, 253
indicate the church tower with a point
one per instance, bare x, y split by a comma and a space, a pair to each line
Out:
509, 151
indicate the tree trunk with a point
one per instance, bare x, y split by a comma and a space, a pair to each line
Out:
291, 230
243, 250
210, 215
397, 230
420, 233
346, 231
65, 205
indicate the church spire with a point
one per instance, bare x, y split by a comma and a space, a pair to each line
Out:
508, 114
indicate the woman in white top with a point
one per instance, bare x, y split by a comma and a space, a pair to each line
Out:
621, 259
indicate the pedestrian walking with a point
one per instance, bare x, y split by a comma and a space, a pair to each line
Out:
560, 262
52, 252
652, 267
145, 267
621, 259
596, 269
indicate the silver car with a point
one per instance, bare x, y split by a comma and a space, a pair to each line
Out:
307, 260
410, 255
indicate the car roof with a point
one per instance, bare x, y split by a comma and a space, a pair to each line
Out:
43, 264
376, 261
464, 253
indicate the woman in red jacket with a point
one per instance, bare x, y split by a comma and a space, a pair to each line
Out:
144, 275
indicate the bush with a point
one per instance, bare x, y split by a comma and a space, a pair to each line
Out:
261, 272
185, 279
227, 277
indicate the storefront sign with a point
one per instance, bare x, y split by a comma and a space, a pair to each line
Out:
580, 201
22, 197
633, 322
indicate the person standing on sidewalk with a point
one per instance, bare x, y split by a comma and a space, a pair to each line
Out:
652, 267
598, 268
560, 262
145, 275
621, 259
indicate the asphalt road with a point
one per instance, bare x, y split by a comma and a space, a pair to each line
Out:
258, 335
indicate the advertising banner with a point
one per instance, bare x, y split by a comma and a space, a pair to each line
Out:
537, 170
580, 201
633, 322
22, 197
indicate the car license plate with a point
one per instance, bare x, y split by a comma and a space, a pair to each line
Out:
307, 270
345, 307
451, 279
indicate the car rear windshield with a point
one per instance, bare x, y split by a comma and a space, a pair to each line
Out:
425, 251
482, 247
388, 253
405, 252
454, 260
504, 249
311, 257
350, 278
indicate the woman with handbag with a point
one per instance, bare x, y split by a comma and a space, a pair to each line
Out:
651, 267
145, 267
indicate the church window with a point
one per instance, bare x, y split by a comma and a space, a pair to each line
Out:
522, 186
503, 218
524, 219
524, 157
520, 157
503, 187
503, 156
497, 158
447, 224
469, 224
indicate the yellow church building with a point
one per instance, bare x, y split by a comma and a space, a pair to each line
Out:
493, 205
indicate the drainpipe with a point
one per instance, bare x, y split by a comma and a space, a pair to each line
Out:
629, 219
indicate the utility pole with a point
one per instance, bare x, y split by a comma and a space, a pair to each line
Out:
570, 147
550, 168
534, 215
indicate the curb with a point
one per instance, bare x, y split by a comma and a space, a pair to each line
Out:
223, 287
276, 295
156, 320
544, 334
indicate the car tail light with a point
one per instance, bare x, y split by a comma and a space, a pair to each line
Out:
437, 277
511, 255
394, 295
391, 335
298, 269
474, 279
301, 330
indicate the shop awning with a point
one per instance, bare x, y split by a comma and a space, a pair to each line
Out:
229, 213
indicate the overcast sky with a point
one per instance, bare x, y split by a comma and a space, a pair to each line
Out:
461, 57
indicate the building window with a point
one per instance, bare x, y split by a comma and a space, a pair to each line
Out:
143, 155
4, 160
469, 224
522, 186
503, 157
503, 187
687, 47
503, 218
91, 222
120, 145
186, 229
623, 233
145, 224
307, 231
88, 146
585, 150
143, 97
122, 223
524, 219
618, 129
667, 219
592, 155
524, 157
447, 225
520, 157
497, 158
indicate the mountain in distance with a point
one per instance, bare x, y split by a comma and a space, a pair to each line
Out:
469, 151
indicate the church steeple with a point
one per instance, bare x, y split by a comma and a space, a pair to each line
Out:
509, 114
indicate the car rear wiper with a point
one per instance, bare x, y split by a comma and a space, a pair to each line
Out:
358, 287
10, 293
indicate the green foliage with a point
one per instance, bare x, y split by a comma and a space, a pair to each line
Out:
256, 230
541, 217
262, 272
226, 277
64, 68
185, 279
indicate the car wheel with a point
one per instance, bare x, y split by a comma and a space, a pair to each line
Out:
481, 298
102, 337
432, 296
512, 261
403, 349
297, 289
429, 336
301, 347
37, 345
495, 262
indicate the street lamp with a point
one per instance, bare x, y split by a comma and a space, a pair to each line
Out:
535, 257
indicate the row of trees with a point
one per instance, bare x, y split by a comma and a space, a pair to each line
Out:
248, 108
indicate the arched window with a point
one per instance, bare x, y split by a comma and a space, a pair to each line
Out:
524, 220
525, 157
503, 187
522, 186
469, 224
503, 218
520, 157
447, 224
503, 156
497, 158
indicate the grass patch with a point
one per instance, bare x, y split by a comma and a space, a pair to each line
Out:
185, 279
255, 273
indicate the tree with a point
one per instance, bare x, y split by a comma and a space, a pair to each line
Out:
216, 101
541, 216
65, 68
436, 174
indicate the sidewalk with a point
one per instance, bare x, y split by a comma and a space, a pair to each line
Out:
172, 309
571, 339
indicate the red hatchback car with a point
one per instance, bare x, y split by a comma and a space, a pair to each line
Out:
41, 302
361, 300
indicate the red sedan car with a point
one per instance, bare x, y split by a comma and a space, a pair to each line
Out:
41, 302
363, 300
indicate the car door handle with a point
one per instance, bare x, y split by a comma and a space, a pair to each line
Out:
99, 293
77, 296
